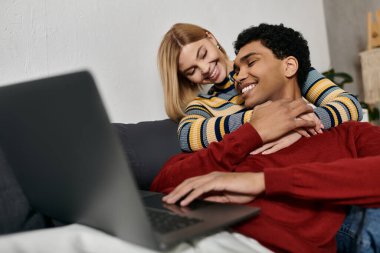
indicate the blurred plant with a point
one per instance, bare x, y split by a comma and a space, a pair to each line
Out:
339, 78
342, 78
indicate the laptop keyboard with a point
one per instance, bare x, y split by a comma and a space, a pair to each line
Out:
165, 222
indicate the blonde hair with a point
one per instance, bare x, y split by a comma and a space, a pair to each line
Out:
178, 90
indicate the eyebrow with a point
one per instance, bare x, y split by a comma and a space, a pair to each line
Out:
198, 51
245, 57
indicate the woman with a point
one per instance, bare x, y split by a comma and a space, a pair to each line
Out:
190, 57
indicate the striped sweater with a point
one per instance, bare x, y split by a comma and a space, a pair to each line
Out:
209, 117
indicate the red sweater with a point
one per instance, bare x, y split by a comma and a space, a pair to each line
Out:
305, 201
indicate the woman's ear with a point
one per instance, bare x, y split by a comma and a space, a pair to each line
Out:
211, 37
290, 66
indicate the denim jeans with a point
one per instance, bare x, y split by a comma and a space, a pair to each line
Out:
360, 232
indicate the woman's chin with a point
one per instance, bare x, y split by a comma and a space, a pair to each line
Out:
221, 77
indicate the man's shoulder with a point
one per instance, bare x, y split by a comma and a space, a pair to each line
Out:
356, 126
353, 123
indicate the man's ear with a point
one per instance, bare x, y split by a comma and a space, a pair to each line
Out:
290, 66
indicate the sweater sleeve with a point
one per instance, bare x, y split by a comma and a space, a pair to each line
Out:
220, 156
350, 181
333, 104
200, 127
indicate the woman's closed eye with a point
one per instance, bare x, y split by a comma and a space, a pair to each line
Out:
204, 55
190, 72
202, 52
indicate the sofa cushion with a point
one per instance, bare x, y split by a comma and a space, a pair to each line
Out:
16, 213
148, 145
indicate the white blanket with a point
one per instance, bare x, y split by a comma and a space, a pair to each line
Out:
79, 239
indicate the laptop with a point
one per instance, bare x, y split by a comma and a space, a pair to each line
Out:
67, 157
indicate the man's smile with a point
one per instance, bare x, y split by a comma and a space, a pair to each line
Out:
245, 87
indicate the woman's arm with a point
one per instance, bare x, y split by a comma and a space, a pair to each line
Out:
334, 105
210, 117
201, 126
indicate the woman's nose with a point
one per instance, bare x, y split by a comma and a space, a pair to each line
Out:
205, 68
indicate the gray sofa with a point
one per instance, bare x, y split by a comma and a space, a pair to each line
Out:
147, 145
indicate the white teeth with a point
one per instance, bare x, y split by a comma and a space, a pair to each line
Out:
213, 73
250, 87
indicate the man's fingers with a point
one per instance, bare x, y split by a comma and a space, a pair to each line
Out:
182, 190
278, 118
301, 123
197, 192
191, 189
300, 108
217, 198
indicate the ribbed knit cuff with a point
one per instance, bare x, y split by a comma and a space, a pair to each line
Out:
278, 181
324, 116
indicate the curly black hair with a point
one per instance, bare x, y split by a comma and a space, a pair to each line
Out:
283, 42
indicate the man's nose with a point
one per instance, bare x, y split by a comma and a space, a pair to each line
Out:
241, 76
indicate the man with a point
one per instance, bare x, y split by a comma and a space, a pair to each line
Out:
303, 202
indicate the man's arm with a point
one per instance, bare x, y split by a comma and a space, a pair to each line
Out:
346, 181
343, 182
271, 121
219, 156
350, 181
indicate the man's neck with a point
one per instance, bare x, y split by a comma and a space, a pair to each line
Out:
291, 90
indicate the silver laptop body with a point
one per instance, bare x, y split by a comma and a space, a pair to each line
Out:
57, 137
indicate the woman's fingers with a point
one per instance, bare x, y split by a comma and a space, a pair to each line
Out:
302, 132
263, 148
283, 142
318, 124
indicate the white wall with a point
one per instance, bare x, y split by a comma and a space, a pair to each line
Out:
348, 36
118, 39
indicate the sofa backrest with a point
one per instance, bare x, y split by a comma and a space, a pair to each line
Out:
148, 145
